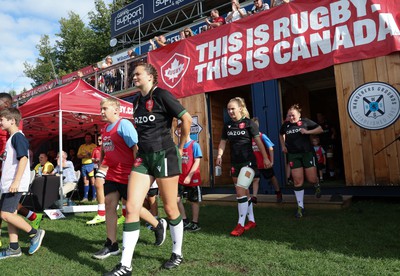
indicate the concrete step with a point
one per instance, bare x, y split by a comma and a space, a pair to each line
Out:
289, 201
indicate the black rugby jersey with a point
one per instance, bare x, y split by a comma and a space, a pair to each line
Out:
153, 119
295, 141
239, 135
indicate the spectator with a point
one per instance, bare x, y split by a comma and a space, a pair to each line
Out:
236, 13
68, 173
275, 3
85, 153
74, 159
51, 154
96, 154
109, 75
216, 20
160, 40
259, 6
131, 53
44, 167
185, 33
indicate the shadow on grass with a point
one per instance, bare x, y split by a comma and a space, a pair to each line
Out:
56, 243
365, 229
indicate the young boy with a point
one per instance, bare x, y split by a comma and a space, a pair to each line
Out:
268, 174
14, 183
118, 150
321, 157
189, 181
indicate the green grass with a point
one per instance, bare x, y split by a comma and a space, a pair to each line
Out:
360, 240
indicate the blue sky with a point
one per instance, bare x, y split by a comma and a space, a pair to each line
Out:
23, 22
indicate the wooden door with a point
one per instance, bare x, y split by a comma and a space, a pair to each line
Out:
363, 166
197, 107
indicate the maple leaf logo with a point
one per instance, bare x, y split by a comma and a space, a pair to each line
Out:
173, 72
174, 69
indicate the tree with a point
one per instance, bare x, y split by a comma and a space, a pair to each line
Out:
42, 71
77, 45
70, 47
97, 47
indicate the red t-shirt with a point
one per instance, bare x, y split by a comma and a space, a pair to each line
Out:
118, 156
220, 19
187, 163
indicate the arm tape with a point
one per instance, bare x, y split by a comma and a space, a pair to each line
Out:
100, 174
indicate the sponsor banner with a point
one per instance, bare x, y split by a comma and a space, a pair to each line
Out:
175, 36
288, 40
142, 11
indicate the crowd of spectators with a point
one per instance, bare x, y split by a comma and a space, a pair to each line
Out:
112, 80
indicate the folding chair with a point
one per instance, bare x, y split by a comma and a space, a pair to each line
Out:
29, 193
76, 189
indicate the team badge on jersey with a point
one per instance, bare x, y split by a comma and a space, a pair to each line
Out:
299, 123
242, 125
149, 105
232, 170
138, 162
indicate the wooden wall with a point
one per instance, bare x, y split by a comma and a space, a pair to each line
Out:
196, 106
362, 166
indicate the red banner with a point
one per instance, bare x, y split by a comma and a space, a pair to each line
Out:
291, 39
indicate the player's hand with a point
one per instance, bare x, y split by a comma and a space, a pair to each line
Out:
14, 187
187, 180
218, 161
267, 163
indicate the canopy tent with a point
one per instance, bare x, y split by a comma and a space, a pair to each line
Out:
68, 111
72, 109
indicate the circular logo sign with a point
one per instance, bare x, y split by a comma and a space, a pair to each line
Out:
374, 105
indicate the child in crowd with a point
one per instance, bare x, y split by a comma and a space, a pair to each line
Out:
14, 183
189, 181
268, 174
321, 157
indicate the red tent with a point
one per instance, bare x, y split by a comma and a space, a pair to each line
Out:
72, 109
67, 111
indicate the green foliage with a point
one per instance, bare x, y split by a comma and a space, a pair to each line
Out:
77, 45
41, 72
97, 46
360, 240
70, 47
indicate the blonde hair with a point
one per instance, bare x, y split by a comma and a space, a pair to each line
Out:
188, 30
112, 101
295, 107
241, 103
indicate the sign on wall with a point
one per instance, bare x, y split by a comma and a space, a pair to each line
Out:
142, 11
195, 129
374, 105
